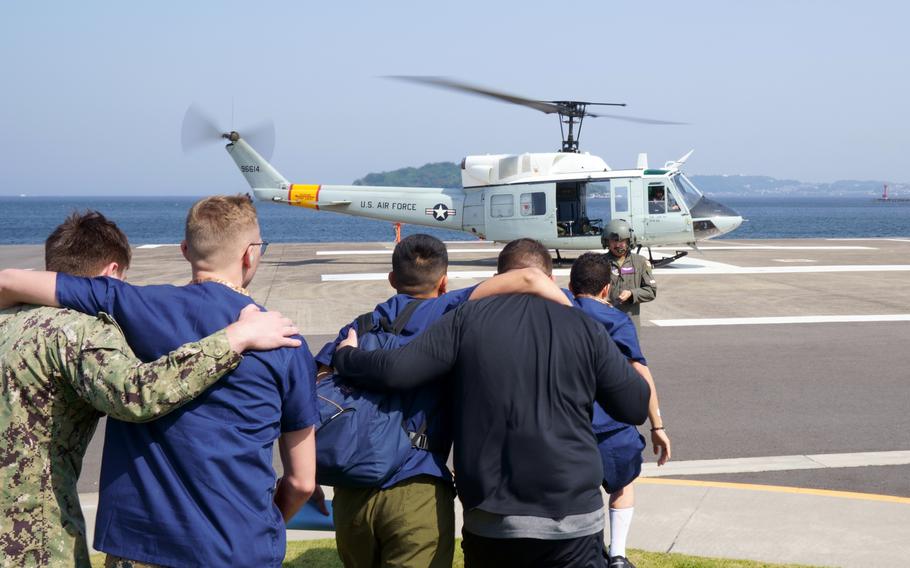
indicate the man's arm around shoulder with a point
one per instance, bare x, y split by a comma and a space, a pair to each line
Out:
27, 287
106, 374
429, 357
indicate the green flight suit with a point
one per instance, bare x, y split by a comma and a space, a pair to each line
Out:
59, 371
633, 274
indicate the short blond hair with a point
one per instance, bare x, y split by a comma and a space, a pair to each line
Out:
217, 225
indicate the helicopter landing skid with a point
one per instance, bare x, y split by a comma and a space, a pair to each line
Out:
666, 260
559, 259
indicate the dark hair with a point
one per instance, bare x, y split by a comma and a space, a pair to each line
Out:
418, 262
84, 244
524, 253
590, 273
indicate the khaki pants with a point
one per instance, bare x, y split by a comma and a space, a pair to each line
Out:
409, 525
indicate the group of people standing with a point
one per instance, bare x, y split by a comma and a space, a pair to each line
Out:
538, 389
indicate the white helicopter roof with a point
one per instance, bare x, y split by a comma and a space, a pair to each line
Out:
502, 169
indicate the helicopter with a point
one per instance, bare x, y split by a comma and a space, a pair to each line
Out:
545, 196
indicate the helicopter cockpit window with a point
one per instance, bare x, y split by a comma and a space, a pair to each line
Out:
502, 205
533, 203
672, 205
657, 198
690, 194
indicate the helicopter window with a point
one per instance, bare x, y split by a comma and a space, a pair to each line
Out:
657, 198
502, 205
672, 205
533, 203
690, 194
621, 199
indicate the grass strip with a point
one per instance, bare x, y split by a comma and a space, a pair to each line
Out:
322, 554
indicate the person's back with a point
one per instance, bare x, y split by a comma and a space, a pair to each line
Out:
61, 370
523, 399
47, 427
196, 481
197, 488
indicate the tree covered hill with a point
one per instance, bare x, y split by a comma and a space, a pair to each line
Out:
448, 174
439, 174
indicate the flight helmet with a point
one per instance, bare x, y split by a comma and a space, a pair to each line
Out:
618, 229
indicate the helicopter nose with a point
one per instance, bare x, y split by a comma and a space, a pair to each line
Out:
710, 219
727, 223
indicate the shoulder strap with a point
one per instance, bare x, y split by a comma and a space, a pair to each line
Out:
403, 318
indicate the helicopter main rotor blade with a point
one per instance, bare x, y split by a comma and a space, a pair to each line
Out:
634, 119
445, 83
198, 129
261, 137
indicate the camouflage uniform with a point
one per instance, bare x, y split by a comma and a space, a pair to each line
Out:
59, 371
633, 274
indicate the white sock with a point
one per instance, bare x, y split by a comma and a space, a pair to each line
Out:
620, 521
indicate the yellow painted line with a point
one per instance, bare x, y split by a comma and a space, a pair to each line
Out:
775, 489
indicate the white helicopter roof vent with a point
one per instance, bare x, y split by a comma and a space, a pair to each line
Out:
508, 167
642, 161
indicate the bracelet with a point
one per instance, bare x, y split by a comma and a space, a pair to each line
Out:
656, 429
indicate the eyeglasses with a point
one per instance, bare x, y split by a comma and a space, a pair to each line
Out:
263, 246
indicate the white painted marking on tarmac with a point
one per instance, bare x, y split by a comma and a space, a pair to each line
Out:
692, 267
871, 239
730, 269
389, 251
773, 320
794, 260
460, 275
498, 249
158, 246
776, 463
773, 247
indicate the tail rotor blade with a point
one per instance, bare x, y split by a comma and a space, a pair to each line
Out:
261, 137
198, 129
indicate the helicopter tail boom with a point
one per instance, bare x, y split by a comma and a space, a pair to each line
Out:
264, 179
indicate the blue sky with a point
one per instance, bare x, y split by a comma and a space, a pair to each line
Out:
94, 92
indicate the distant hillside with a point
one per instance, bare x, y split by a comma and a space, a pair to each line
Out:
761, 186
440, 174
448, 174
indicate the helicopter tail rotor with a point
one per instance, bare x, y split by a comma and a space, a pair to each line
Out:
199, 129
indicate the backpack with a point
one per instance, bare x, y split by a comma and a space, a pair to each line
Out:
362, 437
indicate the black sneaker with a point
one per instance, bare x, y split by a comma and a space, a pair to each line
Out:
620, 562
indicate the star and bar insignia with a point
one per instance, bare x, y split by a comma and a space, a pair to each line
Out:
440, 212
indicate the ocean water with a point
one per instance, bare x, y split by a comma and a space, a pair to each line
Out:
159, 220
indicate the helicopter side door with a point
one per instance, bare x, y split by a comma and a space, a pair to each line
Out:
520, 210
666, 218
473, 219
